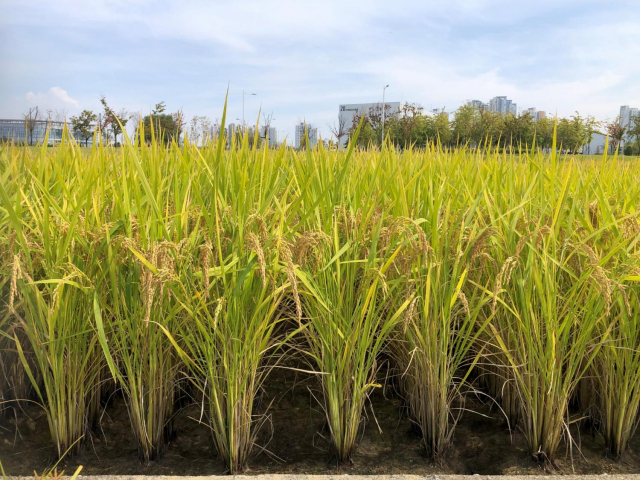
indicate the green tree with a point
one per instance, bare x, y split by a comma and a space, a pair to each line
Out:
112, 120
463, 124
163, 127
616, 133
442, 129
488, 128
544, 132
84, 124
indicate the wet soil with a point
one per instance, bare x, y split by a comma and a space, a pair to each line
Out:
294, 439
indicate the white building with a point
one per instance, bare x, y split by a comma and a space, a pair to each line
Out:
348, 112
311, 131
596, 146
273, 137
533, 113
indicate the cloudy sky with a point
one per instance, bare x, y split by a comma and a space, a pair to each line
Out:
303, 58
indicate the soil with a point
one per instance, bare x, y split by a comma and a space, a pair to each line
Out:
294, 439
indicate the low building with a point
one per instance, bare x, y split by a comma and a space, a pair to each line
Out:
596, 145
17, 131
348, 112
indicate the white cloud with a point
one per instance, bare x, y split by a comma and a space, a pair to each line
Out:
304, 59
54, 97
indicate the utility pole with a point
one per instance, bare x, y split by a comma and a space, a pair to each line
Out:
243, 95
383, 112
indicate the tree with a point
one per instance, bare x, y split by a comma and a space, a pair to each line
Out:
544, 132
463, 124
112, 120
442, 129
265, 127
179, 123
339, 131
199, 128
616, 133
488, 128
84, 124
634, 130
165, 126
31, 121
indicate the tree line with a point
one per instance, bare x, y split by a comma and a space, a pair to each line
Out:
109, 124
478, 128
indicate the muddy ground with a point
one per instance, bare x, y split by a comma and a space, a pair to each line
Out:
294, 439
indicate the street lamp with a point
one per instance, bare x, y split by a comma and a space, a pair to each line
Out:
243, 95
383, 111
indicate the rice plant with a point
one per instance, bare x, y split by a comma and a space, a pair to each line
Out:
618, 376
350, 310
142, 266
434, 345
225, 340
139, 354
547, 335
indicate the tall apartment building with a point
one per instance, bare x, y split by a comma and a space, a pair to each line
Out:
503, 105
540, 115
532, 112
312, 132
478, 104
627, 114
273, 137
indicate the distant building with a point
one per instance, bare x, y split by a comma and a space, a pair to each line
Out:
348, 112
627, 116
440, 111
596, 145
16, 130
503, 105
532, 112
311, 132
273, 137
540, 115
478, 104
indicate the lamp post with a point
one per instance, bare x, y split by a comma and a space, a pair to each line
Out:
243, 95
383, 112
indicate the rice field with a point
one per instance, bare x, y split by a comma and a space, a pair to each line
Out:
165, 272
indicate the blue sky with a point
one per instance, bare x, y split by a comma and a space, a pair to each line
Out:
303, 59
